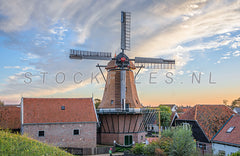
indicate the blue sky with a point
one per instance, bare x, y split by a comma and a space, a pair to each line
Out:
202, 36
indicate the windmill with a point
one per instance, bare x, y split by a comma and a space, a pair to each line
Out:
122, 62
122, 118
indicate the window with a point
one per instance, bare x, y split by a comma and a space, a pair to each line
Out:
111, 102
230, 129
76, 132
186, 125
141, 137
202, 146
128, 139
62, 107
41, 133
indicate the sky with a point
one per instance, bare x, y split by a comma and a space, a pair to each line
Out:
203, 36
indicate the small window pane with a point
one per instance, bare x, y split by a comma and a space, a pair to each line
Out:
76, 132
62, 107
230, 129
41, 133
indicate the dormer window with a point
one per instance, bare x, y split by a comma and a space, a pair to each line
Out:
230, 129
62, 107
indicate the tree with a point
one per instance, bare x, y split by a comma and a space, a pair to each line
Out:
236, 103
97, 102
225, 102
183, 142
165, 115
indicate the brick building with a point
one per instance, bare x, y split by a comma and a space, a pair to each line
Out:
63, 122
10, 117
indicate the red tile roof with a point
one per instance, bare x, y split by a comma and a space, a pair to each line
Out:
48, 110
210, 117
234, 136
10, 117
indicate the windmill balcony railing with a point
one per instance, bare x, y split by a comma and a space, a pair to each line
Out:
120, 111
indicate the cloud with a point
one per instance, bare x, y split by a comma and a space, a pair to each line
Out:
11, 67
236, 53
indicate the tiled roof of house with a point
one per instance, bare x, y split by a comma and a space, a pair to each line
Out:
232, 137
10, 117
210, 117
49, 110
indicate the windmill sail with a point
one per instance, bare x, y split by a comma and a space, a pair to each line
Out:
155, 63
125, 30
81, 54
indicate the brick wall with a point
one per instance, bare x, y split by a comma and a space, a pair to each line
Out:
61, 135
108, 138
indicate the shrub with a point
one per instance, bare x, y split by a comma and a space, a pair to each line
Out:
138, 149
150, 148
183, 143
236, 154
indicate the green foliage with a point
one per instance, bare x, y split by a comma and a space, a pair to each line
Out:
168, 133
183, 143
236, 154
138, 149
165, 144
97, 102
177, 141
165, 115
122, 149
150, 148
15, 144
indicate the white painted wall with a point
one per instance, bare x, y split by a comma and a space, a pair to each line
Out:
228, 149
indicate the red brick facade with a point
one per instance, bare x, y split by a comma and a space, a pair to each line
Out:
10, 117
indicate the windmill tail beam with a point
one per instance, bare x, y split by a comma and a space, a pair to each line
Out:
123, 88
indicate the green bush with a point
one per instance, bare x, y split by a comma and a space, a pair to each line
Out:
150, 148
168, 132
236, 154
183, 143
138, 149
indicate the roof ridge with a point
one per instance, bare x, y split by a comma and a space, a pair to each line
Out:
223, 126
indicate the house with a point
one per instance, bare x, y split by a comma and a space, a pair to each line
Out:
10, 117
63, 122
227, 140
205, 121
237, 110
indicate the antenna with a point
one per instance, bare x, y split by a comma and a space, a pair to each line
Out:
125, 30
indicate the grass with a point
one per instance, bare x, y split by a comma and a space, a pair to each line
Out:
16, 144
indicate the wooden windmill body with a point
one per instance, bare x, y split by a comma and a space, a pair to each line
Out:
122, 117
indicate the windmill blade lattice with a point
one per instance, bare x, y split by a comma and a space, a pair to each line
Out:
81, 54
